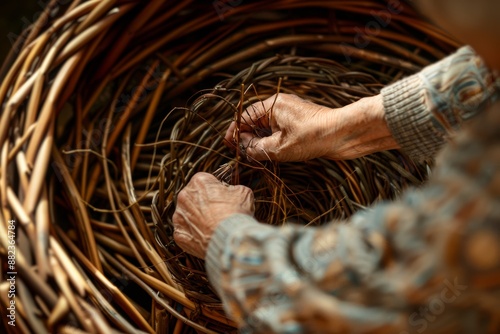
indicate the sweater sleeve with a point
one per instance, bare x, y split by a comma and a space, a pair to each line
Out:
424, 110
427, 263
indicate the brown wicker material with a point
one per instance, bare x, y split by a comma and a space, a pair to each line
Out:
111, 106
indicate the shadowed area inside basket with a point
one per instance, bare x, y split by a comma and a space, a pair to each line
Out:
308, 193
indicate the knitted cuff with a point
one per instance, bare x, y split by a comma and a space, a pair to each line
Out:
214, 260
409, 119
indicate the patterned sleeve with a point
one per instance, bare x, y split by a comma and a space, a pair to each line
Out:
427, 263
424, 110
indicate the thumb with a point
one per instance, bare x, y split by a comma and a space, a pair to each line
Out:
265, 148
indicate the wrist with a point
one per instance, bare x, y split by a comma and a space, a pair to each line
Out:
359, 129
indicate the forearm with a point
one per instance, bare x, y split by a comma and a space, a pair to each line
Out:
274, 280
387, 267
424, 110
417, 114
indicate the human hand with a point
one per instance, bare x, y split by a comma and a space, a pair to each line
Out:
301, 130
201, 206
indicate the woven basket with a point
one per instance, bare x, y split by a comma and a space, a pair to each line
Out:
109, 108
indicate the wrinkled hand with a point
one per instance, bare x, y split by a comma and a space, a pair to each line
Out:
299, 130
294, 124
201, 206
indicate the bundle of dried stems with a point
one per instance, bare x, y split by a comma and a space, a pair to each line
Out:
110, 106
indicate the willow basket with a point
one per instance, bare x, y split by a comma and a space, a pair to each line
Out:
108, 109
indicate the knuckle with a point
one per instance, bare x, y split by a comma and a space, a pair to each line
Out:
175, 218
284, 97
246, 191
250, 194
241, 188
279, 98
178, 238
200, 178
182, 197
254, 108
196, 177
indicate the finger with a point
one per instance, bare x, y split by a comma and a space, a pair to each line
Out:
248, 199
182, 213
176, 219
256, 115
230, 137
186, 241
266, 148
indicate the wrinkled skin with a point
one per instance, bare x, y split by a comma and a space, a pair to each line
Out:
299, 130
202, 205
292, 121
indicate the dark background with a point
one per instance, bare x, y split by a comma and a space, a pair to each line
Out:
14, 16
